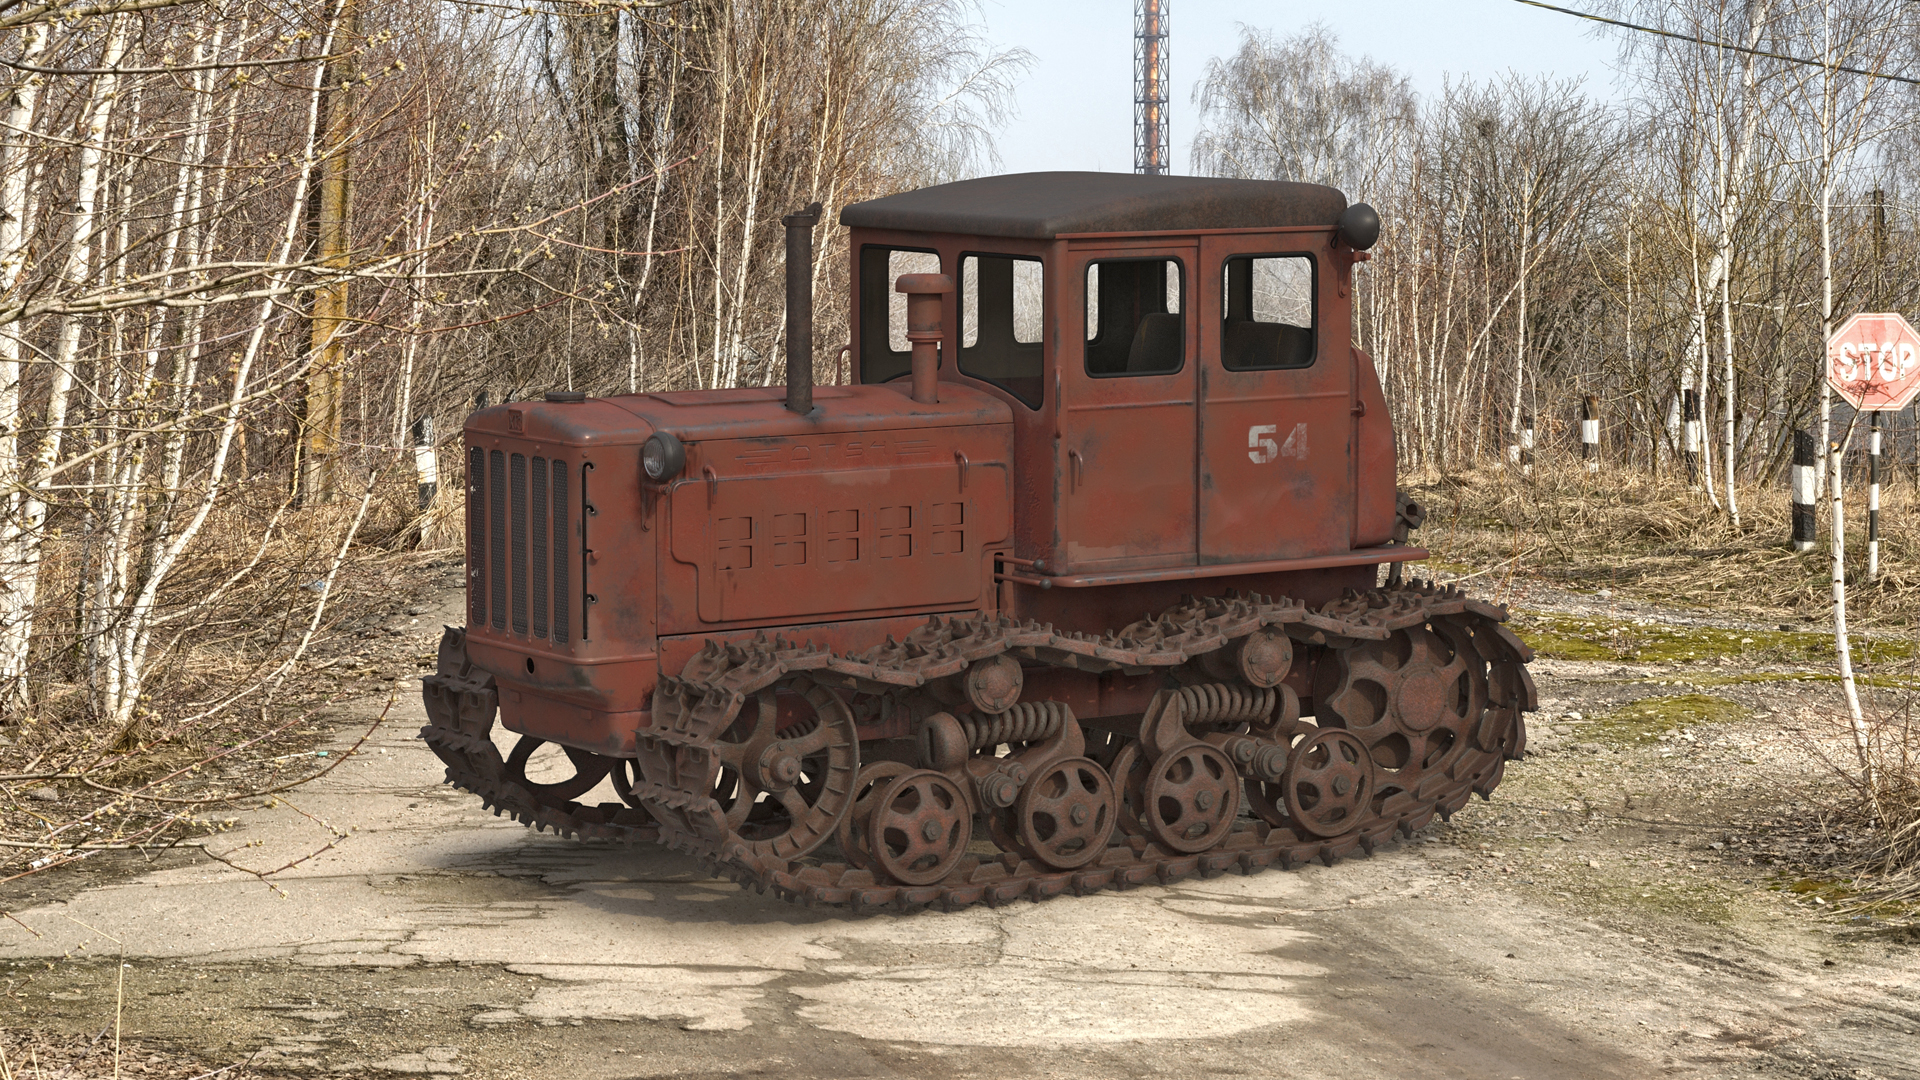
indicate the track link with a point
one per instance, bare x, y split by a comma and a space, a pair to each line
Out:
691, 711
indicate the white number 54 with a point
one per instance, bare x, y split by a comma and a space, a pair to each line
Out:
1262, 448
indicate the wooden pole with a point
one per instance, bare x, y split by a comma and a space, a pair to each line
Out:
320, 481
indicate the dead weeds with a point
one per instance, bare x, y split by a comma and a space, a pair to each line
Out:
1656, 539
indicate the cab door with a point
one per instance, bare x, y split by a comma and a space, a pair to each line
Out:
1125, 445
1276, 390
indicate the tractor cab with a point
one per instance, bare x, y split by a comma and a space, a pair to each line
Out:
1177, 355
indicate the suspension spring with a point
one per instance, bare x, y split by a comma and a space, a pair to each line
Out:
1025, 721
1227, 703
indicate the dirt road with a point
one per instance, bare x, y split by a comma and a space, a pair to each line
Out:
1614, 912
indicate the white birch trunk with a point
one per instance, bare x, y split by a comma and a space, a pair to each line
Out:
16, 214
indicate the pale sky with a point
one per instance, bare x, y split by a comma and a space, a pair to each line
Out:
1076, 102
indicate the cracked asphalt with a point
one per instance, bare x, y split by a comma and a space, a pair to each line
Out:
437, 939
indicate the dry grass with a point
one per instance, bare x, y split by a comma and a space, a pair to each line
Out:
227, 710
1654, 539
1884, 809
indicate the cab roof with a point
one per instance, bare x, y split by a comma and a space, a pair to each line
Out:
1044, 205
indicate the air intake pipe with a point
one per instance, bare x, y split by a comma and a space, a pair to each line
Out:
800, 307
926, 296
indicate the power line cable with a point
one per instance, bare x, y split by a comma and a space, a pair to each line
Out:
1718, 44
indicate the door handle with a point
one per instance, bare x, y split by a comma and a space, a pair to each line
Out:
1074, 465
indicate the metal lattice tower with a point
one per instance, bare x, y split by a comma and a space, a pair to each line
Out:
1150, 153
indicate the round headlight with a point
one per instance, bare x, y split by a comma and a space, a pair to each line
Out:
662, 457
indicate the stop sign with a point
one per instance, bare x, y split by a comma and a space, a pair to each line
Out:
1873, 360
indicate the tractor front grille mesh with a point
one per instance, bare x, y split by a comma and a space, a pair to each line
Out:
518, 539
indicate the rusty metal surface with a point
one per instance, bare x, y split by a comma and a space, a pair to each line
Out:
1061, 819
885, 644
1041, 206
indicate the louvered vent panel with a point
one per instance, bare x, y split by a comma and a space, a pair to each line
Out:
562, 543
476, 537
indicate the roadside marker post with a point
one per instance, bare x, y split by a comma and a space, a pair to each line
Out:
1873, 361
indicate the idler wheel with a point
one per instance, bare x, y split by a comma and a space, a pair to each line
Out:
1191, 797
1066, 813
589, 769
1328, 784
786, 769
919, 827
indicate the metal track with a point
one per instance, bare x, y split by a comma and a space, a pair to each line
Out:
691, 712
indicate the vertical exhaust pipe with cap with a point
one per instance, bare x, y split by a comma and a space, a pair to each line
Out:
926, 296
800, 307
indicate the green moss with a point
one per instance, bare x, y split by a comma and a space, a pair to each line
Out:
1698, 903
1646, 720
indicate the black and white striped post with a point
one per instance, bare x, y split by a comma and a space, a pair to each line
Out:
1691, 410
1590, 432
426, 469
1803, 490
1873, 498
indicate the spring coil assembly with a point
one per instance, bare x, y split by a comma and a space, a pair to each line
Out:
1227, 703
1026, 721
801, 728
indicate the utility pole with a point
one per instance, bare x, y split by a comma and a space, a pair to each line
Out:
1150, 153
320, 479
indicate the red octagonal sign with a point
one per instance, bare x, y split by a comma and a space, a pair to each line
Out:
1874, 362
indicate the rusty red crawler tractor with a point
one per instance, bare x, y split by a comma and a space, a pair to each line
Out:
1075, 588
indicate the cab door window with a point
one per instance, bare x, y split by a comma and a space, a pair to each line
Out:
884, 350
1000, 318
1134, 317
1269, 320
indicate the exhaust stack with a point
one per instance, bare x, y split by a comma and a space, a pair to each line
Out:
800, 307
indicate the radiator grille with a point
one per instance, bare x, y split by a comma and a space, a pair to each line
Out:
519, 544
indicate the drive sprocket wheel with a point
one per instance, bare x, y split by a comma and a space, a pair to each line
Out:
1328, 783
1191, 797
1413, 700
783, 791
919, 827
1066, 813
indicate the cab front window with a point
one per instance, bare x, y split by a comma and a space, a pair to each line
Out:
884, 350
1000, 317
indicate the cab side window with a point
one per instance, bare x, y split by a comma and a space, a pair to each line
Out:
1135, 324
1000, 324
1269, 318
884, 350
